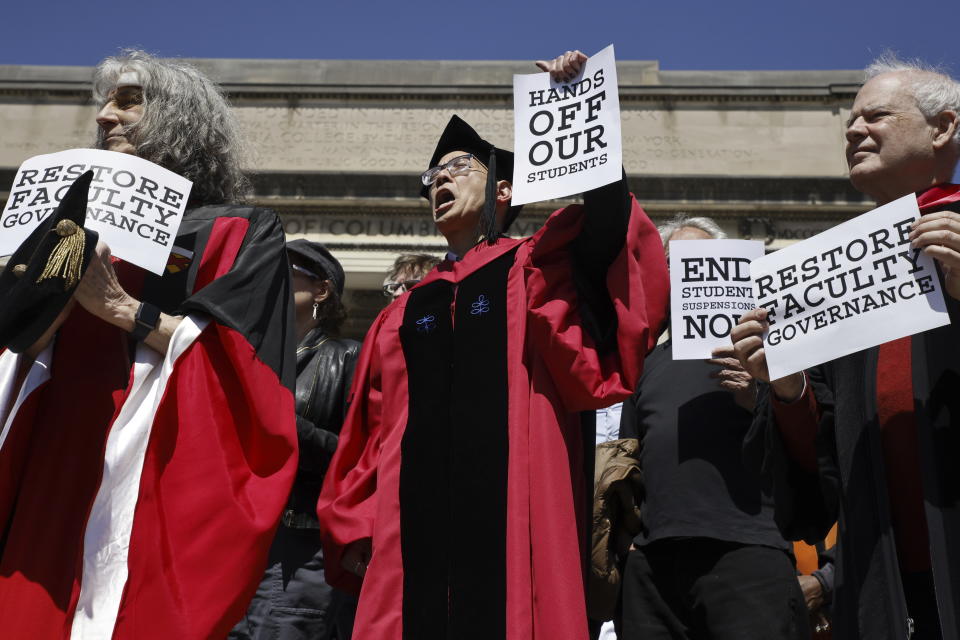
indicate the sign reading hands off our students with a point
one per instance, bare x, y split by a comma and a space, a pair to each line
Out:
566, 135
709, 291
135, 205
854, 286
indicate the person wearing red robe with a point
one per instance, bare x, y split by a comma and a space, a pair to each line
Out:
874, 437
148, 438
458, 489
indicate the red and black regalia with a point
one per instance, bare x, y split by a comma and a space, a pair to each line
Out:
462, 452
875, 442
139, 492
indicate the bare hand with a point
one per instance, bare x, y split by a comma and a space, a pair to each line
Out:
747, 339
564, 68
733, 377
938, 235
812, 592
100, 293
356, 556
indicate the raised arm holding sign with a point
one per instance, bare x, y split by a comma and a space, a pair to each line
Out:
511, 338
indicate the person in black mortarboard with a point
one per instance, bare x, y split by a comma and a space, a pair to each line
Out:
458, 489
147, 427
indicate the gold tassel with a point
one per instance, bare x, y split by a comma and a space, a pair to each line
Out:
66, 259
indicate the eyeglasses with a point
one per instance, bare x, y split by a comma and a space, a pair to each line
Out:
392, 287
461, 165
306, 272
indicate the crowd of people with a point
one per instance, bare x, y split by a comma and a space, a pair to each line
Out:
199, 454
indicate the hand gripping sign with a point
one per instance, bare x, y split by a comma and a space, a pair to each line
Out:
567, 135
854, 286
135, 205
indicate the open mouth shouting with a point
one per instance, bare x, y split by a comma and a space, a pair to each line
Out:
443, 200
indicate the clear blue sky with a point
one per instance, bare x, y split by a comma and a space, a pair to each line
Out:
724, 34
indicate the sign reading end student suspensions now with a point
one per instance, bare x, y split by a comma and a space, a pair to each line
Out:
567, 135
710, 290
855, 286
135, 205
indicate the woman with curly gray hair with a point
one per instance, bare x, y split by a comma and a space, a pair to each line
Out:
187, 125
153, 447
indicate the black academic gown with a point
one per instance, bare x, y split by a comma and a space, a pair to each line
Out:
851, 483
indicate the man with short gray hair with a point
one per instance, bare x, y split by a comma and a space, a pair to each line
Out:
709, 561
872, 437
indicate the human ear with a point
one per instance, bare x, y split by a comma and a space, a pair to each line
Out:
946, 129
504, 192
321, 290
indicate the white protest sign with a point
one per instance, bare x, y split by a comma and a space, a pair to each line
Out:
709, 290
135, 205
854, 286
567, 135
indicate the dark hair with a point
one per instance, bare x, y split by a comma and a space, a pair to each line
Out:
416, 264
331, 314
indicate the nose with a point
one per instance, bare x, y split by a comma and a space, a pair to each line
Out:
443, 177
399, 291
856, 130
107, 117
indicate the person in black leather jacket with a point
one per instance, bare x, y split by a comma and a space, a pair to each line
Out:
294, 601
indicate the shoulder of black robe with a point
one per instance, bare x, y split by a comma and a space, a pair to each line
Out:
936, 380
806, 505
602, 236
254, 296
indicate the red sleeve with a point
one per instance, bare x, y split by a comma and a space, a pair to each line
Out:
797, 422
347, 503
589, 378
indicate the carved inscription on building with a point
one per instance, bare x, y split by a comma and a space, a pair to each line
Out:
661, 139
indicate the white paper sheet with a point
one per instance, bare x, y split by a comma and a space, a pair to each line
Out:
709, 291
566, 135
135, 205
854, 286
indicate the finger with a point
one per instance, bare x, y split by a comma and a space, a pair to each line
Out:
727, 363
746, 348
556, 69
543, 65
948, 258
731, 385
745, 330
726, 351
577, 60
944, 237
935, 217
940, 221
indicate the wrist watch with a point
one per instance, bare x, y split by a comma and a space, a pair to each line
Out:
147, 319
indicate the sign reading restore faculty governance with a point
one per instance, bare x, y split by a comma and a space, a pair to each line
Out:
854, 286
135, 205
567, 135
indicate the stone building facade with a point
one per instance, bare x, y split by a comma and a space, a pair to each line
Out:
337, 146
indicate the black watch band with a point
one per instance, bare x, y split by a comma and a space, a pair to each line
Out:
148, 317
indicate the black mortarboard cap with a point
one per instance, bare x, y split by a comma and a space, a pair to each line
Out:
320, 257
46, 268
460, 136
